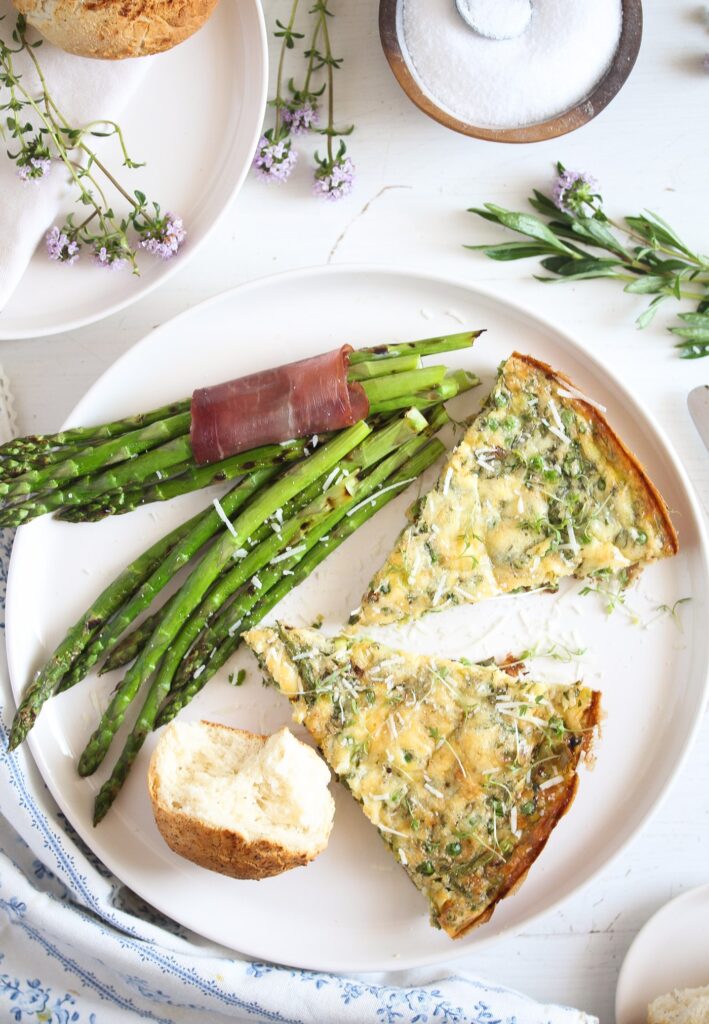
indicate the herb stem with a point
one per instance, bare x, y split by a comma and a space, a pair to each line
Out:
117, 131
59, 145
324, 14
281, 60
80, 144
311, 59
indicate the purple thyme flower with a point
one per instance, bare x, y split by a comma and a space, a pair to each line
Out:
274, 161
35, 159
334, 181
111, 259
61, 247
301, 118
572, 190
164, 237
34, 168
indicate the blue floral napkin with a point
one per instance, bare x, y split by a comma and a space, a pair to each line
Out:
77, 947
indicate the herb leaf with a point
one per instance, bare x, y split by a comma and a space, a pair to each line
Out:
647, 255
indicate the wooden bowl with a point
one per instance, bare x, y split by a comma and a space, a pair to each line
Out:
569, 121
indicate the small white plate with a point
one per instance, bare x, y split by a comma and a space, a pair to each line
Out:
671, 951
196, 123
354, 909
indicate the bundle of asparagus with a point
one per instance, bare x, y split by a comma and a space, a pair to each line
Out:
86, 473
247, 551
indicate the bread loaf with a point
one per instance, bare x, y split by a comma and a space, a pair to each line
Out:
244, 805
688, 1006
114, 29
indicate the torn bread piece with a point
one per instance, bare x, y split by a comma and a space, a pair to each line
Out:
244, 805
681, 1006
540, 488
465, 769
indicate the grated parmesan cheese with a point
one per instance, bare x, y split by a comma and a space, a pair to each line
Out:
224, 517
574, 393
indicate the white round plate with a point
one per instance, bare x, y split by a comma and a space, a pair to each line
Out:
354, 909
195, 122
670, 952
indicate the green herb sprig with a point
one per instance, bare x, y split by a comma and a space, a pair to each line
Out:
42, 135
577, 241
298, 108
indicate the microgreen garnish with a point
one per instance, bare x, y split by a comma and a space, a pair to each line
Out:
555, 651
43, 136
673, 610
297, 109
611, 590
578, 241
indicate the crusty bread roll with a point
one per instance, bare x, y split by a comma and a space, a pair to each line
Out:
244, 805
688, 1006
114, 29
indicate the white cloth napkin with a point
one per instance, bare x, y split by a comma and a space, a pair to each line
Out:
77, 947
84, 90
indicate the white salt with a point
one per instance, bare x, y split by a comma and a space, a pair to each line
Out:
555, 64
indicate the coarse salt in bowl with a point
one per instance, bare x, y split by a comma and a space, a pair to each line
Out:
557, 74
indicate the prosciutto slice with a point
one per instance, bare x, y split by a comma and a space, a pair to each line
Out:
310, 396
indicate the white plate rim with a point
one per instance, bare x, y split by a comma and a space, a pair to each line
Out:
545, 323
671, 906
186, 256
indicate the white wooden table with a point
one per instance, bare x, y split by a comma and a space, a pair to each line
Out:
415, 181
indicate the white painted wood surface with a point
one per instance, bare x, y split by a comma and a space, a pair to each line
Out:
650, 148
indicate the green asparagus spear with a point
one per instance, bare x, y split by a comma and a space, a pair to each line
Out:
88, 625
194, 478
11, 467
37, 443
454, 384
129, 648
424, 347
203, 575
146, 471
245, 613
132, 643
89, 435
191, 478
314, 521
370, 451
109, 637
103, 470
376, 367
160, 687
395, 385
209, 523
93, 458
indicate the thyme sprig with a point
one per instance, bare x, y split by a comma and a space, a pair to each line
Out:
43, 135
298, 108
578, 241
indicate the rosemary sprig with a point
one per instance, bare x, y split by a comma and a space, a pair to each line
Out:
43, 135
577, 241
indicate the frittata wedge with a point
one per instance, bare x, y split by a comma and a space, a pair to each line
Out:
539, 488
464, 769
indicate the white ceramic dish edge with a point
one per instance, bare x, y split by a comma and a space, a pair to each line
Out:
177, 265
626, 991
